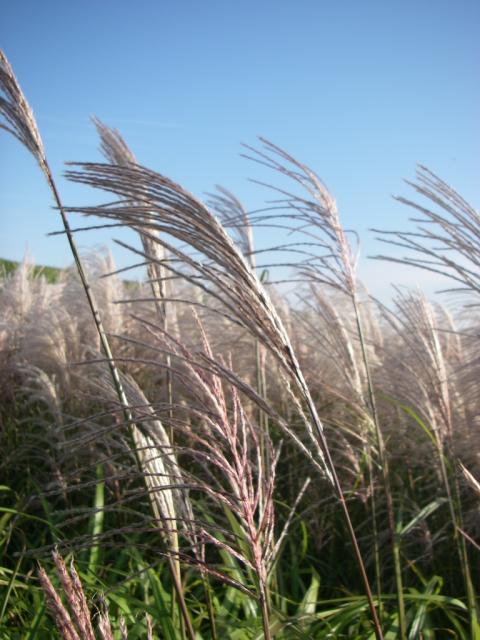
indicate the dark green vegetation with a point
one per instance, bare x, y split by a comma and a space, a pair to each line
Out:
224, 463
51, 274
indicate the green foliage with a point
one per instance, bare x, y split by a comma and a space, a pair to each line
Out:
51, 274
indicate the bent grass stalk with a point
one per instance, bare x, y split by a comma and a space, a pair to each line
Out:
116, 151
335, 267
150, 201
22, 125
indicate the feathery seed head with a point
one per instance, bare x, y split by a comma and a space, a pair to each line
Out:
17, 113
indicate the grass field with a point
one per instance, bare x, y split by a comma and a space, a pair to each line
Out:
198, 456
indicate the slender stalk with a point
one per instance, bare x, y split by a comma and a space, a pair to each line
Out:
395, 541
181, 600
210, 609
341, 498
376, 547
455, 509
265, 614
262, 417
97, 519
88, 292
156, 274
262, 391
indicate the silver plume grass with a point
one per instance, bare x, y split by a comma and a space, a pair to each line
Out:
116, 151
150, 202
73, 618
446, 240
17, 113
327, 254
234, 216
21, 124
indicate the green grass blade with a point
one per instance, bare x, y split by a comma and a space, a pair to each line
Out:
309, 603
417, 625
10, 586
97, 521
423, 515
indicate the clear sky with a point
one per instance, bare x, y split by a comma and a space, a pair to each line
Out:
360, 90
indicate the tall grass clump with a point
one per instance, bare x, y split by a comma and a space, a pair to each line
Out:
445, 242
149, 202
327, 258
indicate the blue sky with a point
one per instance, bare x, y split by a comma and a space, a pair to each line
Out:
359, 90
